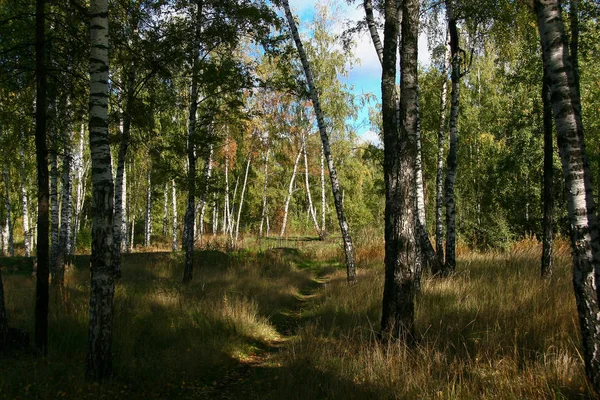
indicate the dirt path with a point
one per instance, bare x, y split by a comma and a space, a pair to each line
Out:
255, 376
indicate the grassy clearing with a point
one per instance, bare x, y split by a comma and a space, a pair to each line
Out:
170, 340
283, 324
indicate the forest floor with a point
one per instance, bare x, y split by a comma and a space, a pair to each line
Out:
277, 320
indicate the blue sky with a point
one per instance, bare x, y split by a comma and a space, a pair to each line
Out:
366, 76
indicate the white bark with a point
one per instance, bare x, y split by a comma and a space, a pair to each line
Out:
439, 182
289, 194
311, 209
174, 205
99, 359
264, 195
24, 205
148, 214
335, 185
78, 166
9, 227
201, 207
237, 224
323, 194
165, 210
226, 216
66, 208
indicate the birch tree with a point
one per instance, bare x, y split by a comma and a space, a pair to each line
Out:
397, 321
7, 207
335, 185
99, 357
585, 243
452, 161
24, 202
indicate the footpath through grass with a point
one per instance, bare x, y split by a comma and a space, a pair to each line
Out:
281, 323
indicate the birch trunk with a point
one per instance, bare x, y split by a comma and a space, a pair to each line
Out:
427, 255
323, 195
79, 192
264, 195
232, 210
548, 195
65, 218
439, 181
148, 213
54, 207
400, 152
24, 205
165, 210
335, 185
41, 155
226, 202
452, 161
207, 173
215, 222
119, 222
191, 150
9, 226
174, 205
237, 224
289, 194
99, 358
566, 109
307, 184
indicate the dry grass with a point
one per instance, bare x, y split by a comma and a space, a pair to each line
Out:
494, 330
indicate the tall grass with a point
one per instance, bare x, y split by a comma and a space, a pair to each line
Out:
494, 330
282, 323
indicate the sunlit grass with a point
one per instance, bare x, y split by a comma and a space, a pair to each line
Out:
494, 330
297, 330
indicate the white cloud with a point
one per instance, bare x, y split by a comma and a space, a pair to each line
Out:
370, 137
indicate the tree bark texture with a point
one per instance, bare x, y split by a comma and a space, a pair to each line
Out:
452, 162
64, 236
566, 109
439, 179
79, 190
191, 151
148, 214
99, 358
174, 205
41, 155
54, 205
397, 321
335, 184
9, 225
24, 203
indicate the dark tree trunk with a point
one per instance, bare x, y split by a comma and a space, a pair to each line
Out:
400, 150
585, 243
188, 237
41, 153
452, 161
